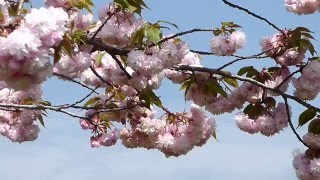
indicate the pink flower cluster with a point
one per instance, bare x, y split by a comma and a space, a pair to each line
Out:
24, 53
5, 20
72, 67
247, 92
101, 137
173, 139
312, 140
148, 69
307, 86
271, 122
56, 3
302, 6
18, 125
276, 46
119, 28
105, 66
228, 45
307, 168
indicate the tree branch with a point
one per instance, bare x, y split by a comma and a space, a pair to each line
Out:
252, 14
109, 49
74, 81
244, 79
121, 66
96, 73
290, 122
184, 33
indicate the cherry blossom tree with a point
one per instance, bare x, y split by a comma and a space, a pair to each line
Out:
122, 59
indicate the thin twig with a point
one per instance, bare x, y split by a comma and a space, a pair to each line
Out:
74, 81
40, 107
84, 98
287, 78
290, 122
184, 33
239, 58
244, 79
251, 13
109, 49
101, 78
101, 26
121, 66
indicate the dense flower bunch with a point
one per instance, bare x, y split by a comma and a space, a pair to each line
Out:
307, 85
173, 139
25, 51
302, 6
268, 124
307, 165
228, 45
18, 124
280, 48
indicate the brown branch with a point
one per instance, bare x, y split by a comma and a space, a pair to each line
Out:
84, 98
74, 81
184, 33
244, 79
39, 107
252, 14
121, 66
239, 58
101, 78
101, 26
109, 49
202, 52
290, 122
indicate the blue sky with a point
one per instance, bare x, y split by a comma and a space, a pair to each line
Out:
62, 150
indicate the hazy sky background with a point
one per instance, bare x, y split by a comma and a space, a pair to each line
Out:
63, 152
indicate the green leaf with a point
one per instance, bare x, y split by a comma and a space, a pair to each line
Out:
302, 29
98, 57
45, 103
307, 35
304, 43
249, 70
40, 118
214, 135
230, 25
82, 4
314, 126
150, 97
231, 82
186, 86
306, 116
217, 32
270, 102
57, 54
187, 83
214, 87
91, 101
167, 22
153, 34
253, 110
1, 16
133, 6
66, 46
137, 38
